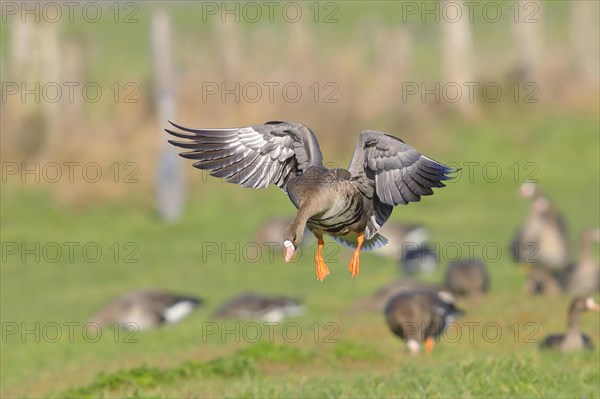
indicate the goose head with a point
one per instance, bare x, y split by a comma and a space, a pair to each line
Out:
291, 240
582, 304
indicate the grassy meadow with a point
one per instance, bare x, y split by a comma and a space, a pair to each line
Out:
350, 356
68, 248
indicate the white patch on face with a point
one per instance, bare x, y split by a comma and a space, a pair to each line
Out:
527, 189
591, 304
413, 346
288, 244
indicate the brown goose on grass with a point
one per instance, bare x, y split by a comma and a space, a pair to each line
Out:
142, 310
574, 339
349, 205
420, 316
543, 240
467, 277
583, 277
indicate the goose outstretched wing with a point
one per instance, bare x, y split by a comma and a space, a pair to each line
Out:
389, 172
253, 156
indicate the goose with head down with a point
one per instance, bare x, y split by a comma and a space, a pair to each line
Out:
418, 316
349, 205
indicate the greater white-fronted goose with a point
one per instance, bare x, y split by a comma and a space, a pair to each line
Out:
543, 240
380, 298
142, 310
349, 205
583, 277
401, 236
574, 339
467, 278
420, 316
418, 260
253, 306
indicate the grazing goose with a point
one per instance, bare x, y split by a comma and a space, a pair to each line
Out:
349, 205
467, 278
378, 300
252, 306
583, 278
142, 310
543, 240
574, 339
420, 316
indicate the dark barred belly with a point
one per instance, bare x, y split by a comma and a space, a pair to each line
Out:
345, 216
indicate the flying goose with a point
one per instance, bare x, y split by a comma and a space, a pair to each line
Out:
583, 277
350, 204
420, 316
142, 310
253, 306
574, 339
467, 278
543, 240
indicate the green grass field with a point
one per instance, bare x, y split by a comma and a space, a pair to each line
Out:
335, 355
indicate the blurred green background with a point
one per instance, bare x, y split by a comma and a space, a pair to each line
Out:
354, 62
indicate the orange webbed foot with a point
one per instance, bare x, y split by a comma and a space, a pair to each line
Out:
354, 265
429, 343
322, 270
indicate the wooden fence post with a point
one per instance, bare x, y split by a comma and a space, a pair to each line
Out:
458, 59
584, 41
170, 183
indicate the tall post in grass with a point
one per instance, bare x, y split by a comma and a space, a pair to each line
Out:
35, 62
528, 39
584, 41
170, 183
457, 57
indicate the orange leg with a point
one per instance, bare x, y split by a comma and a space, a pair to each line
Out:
429, 342
354, 265
322, 270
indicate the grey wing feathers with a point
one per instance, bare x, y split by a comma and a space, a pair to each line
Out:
391, 173
253, 156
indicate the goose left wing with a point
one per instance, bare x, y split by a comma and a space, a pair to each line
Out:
253, 156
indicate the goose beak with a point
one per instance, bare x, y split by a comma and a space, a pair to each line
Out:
289, 250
